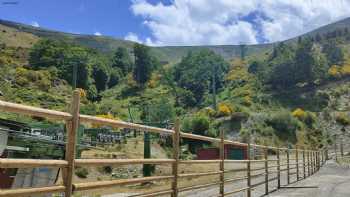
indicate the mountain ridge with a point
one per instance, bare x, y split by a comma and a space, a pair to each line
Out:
108, 44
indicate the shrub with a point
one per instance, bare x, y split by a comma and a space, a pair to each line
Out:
82, 92
334, 71
81, 172
343, 118
224, 109
299, 113
307, 117
200, 124
345, 70
107, 169
285, 125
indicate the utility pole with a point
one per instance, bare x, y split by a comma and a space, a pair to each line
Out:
147, 147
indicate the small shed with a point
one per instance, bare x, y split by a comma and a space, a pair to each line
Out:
235, 152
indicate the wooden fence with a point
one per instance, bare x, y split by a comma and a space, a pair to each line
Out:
305, 162
340, 149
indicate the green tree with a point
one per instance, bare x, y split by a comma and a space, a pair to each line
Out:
114, 78
280, 72
307, 64
161, 110
79, 57
46, 53
334, 53
196, 71
122, 60
310, 63
144, 63
101, 77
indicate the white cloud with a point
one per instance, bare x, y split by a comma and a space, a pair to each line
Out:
198, 22
133, 37
97, 33
34, 24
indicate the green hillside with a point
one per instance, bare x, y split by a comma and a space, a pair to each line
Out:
167, 53
108, 44
285, 91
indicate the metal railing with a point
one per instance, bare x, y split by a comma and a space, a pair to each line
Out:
305, 165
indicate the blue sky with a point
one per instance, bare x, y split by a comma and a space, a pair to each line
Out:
180, 22
112, 17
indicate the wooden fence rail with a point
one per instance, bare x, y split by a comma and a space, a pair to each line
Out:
271, 169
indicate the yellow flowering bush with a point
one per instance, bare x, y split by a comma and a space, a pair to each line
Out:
224, 109
335, 71
345, 70
299, 113
82, 92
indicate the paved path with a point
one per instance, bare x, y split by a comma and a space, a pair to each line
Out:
331, 181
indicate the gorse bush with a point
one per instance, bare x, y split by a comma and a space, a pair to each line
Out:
224, 109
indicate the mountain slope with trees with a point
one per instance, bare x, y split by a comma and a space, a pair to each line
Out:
280, 92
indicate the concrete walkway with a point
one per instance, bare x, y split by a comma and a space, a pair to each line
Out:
331, 181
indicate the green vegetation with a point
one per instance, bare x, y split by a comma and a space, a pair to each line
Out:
276, 94
81, 172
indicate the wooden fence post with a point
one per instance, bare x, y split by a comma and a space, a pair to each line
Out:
316, 160
304, 170
308, 163
266, 171
278, 169
248, 170
319, 159
71, 127
176, 154
313, 161
297, 161
288, 171
222, 163
341, 147
335, 147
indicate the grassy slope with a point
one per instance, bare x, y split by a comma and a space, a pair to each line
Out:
166, 53
109, 44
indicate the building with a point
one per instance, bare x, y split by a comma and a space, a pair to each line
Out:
235, 152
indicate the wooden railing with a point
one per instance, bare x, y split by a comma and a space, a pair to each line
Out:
305, 165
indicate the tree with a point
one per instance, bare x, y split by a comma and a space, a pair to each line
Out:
334, 53
46, 53
318, 37
310, 63
101, 77
114, 77
80, 58
144, 63
161, 110
282, 67
196, 71
122, 60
